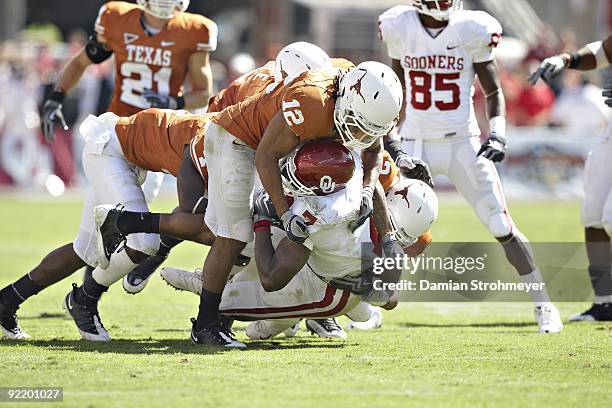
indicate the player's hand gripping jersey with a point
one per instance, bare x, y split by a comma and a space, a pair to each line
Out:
307, 102
439, 71
154, 139
158, 62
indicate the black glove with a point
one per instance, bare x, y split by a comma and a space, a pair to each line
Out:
607, 93
414, 168
493, 149
160, 101
366, 209
263, 209
52, 114
295, 227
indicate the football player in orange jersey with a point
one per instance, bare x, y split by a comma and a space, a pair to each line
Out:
157, 45
116, 155
358, 107
293, 59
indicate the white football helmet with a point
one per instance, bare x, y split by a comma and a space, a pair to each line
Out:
441, 10
163, 8
300, 57
369, 101
413, 208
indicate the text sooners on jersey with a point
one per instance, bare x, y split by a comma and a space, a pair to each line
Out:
439, 71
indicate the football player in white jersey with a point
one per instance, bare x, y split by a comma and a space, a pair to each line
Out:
323, 276
596, 214
438, 48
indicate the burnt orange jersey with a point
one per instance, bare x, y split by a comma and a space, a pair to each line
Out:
389, 173
154, 139
307, 102
342, 64
244, 87
158, 62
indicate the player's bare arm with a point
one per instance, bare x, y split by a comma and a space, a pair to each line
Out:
494, 148
200, 79
277, 268
94, 52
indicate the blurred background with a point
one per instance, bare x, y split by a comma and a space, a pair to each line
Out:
552, 129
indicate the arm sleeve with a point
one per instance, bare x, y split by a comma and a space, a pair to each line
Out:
388, 30
206, 35
485, 34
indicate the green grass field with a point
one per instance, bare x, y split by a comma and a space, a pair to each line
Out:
424, 355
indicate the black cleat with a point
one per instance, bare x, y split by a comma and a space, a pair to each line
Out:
108, 234
135, 281
214, 335
85, 317
599, 312
9, 324
326, 328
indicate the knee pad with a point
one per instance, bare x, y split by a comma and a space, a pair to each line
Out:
120, 265
500, 224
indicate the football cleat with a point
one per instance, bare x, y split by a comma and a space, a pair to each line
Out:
108, 235
266, 329
326, 328
548, 318
183, 280
599, 312
135, 281
214, 335
374, 322
85, 317
9, 324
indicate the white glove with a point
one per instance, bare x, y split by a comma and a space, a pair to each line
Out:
295, 227
414, 168
549, 68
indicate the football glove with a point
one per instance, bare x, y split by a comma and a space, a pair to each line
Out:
365, 210
391, 248
414, 168
607, 93
295, 227
493, 149
263, 209
157, 100
549, 69
52, 115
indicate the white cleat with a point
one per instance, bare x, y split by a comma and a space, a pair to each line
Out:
180, 279
326, 328
108, 237
374, 322
548, 318
266, 329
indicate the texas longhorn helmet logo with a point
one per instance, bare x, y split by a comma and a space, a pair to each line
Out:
404, 194
357, 85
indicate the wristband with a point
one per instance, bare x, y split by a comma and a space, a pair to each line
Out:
498, 126
574, 60
262, 225
57, 96
180, 102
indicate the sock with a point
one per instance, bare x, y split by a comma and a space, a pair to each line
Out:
209, 308
16, 293
90, 292
166, 243
133, 222
538, 296
601, 280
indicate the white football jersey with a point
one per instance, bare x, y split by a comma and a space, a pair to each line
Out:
336, 250
439, 71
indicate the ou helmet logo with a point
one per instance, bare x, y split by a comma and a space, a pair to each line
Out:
327, 184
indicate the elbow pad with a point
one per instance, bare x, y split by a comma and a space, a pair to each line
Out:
95, 50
